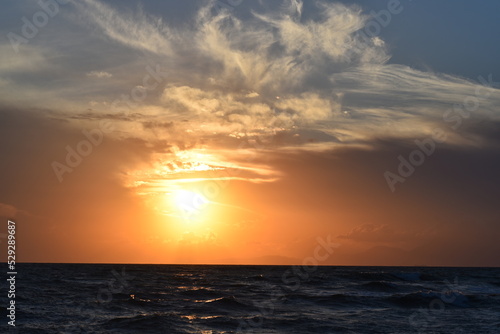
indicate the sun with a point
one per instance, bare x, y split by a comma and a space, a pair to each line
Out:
189, 203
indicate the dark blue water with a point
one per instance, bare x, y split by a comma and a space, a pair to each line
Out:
81, 298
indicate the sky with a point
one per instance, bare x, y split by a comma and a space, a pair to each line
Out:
251, 132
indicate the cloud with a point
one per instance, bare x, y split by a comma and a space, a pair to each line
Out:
310, 107
250, 74
326, 188
217, 111
280, 51
99, 74
30, 59
139, 31
334, 34
279, 80
281, 70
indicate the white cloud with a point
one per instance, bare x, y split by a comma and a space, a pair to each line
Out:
310, 107
329, 77
139, 31
334, 34
252, 94
99, 74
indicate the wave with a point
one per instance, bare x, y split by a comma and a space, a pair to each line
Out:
211, 299
428, 299
200, 293
379, 286
257, 278
226, 303
387, 276
407, 276
328, 300
169, 322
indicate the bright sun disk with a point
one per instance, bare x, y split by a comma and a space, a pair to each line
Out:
189, 202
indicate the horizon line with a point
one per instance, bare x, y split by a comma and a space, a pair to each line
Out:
255, 265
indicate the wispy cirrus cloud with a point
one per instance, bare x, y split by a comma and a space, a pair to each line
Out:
278, 71
139, 31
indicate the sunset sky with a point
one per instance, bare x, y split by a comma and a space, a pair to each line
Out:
245, 131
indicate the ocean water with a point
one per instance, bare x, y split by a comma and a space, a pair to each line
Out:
87, 298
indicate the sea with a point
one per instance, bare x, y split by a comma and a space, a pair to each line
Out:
208, 299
